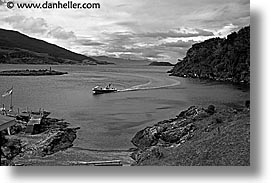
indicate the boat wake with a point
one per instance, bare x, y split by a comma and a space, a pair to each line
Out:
153, 83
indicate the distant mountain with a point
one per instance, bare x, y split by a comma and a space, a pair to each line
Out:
161, 64
121, 61
16, 47
226, 59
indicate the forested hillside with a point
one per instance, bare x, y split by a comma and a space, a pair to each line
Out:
225, 59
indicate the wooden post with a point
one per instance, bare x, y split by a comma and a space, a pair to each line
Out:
9, 131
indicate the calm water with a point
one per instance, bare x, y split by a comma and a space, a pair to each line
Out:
109, 121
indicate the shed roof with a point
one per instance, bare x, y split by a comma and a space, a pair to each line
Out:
6, 122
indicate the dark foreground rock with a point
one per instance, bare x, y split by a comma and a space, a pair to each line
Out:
197, 136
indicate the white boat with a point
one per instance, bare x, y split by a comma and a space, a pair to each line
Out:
102, 90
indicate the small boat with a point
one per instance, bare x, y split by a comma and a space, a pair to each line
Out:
102, 90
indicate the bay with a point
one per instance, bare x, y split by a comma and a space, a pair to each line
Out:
107, 122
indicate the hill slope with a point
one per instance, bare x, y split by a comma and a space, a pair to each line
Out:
197, 137
219, 59
19, 48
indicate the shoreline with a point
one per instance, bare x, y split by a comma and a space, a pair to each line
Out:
166, 143
219, 80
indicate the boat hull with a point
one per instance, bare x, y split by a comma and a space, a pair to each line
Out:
103, 91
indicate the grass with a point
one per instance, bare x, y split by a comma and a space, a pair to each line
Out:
222, 143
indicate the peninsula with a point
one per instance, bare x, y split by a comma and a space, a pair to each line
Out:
160, 64
27, 72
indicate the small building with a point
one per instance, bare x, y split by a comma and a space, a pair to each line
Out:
6, 122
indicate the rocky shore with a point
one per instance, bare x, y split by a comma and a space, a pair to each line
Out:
197, 137
51, 136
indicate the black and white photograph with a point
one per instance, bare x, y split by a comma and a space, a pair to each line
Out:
125, 83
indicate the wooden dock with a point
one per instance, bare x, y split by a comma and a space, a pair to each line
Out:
99, 163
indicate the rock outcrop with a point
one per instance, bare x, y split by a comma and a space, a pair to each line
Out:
169, 132
56, 140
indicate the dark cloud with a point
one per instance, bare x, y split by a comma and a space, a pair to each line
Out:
151, 53
88, 42
180, 43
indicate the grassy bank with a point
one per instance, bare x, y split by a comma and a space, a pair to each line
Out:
217, 138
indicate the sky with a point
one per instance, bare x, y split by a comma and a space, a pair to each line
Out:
159, 30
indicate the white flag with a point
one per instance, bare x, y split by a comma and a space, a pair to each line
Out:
7, 93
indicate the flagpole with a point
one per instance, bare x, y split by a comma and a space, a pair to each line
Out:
11, 102
11, 99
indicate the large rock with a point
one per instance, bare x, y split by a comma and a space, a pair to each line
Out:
175, 130
146, 138
191, 111
57, 140
174, 135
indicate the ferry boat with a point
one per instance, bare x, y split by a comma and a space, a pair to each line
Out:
102, 90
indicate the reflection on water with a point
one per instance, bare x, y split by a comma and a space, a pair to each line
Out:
109, 121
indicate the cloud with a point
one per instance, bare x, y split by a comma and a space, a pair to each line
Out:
154, 29
227, 29
38, 27
179, 43
88, 42
130, 56
151, 53
28, 25
178, 34
60, 33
